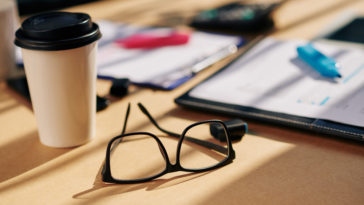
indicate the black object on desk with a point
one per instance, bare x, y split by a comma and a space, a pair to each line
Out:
20, 86
236, 17
236, 128
353, 32
27, 7
119, 87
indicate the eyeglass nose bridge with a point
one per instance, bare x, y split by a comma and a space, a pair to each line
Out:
173, 167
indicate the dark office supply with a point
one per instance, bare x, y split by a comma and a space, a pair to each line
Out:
223, 152
236, 17
236, 128
27, 7
119, 87
353, 31
101, 103
19, 85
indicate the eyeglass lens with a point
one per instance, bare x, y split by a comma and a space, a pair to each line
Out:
136, 157
194, 156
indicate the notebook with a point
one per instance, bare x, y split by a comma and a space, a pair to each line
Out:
270, 83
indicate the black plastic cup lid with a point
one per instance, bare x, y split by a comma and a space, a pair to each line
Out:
57, 31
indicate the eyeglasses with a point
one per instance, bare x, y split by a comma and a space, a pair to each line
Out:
140, 156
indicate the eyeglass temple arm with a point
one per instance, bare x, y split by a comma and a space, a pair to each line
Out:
203, 143
124, 127
122, 132
126, 119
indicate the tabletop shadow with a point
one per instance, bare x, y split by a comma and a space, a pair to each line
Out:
312, 169
101, 189
29, 154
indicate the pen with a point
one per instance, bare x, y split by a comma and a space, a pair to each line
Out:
221, 54
173, 79
325, 65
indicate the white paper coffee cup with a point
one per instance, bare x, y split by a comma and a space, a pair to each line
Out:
59, 53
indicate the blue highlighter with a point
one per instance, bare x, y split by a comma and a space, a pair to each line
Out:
325, 65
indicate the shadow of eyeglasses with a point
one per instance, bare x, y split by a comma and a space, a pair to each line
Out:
102, 189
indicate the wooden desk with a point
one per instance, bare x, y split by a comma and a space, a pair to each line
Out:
273, 165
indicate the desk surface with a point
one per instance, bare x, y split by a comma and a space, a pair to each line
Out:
274, 165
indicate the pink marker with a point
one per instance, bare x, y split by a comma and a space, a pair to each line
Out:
149, 40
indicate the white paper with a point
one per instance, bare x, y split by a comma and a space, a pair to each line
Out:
140, 65
272, 77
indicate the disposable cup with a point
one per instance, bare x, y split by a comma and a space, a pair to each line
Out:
59, 54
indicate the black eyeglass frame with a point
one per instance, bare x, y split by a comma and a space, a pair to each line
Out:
106, 172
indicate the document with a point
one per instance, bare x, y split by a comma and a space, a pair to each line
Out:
271, 77
146, 65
